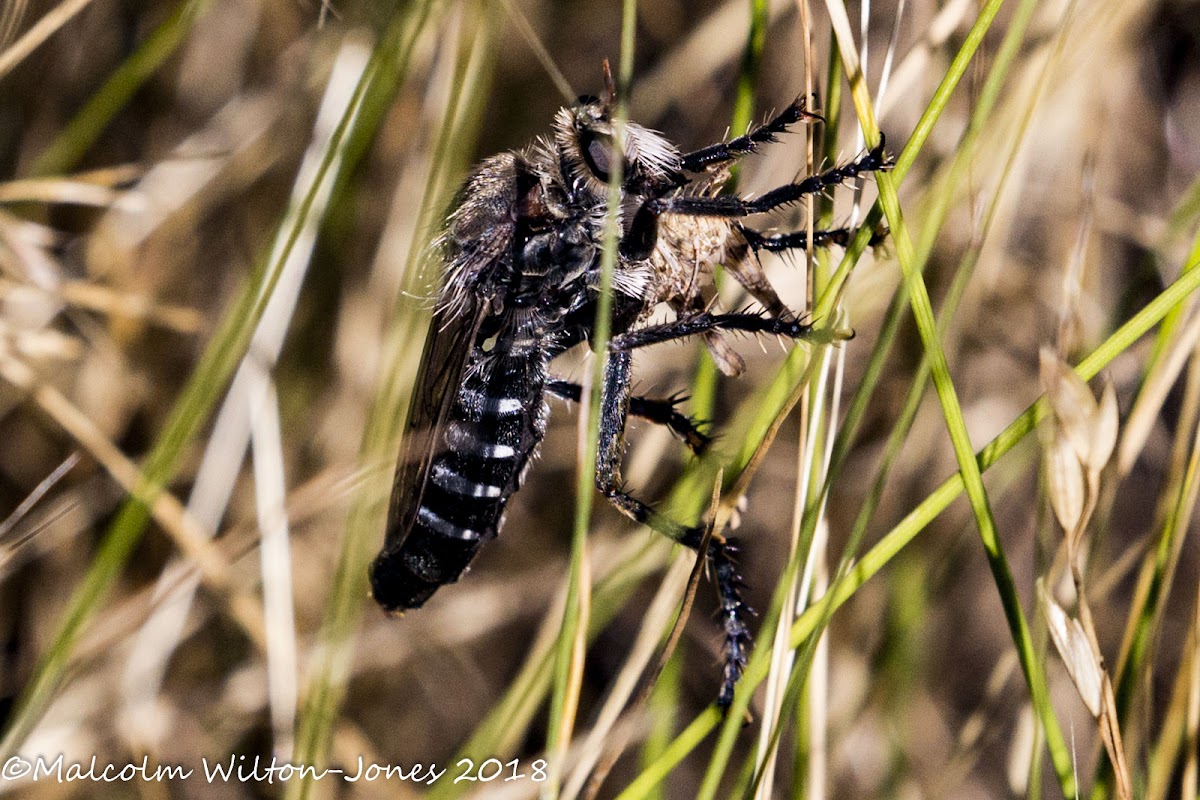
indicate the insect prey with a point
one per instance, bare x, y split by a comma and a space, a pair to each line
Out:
520, 256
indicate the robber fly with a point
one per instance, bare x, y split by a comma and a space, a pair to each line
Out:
521, 273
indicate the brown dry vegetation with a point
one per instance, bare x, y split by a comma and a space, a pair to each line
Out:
151, 155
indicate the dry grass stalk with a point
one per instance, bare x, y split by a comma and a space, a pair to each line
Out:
612, 752
41, 30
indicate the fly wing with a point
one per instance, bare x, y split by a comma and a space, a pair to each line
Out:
447, 351
477, 243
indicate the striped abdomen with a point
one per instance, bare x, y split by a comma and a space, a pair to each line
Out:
496, 422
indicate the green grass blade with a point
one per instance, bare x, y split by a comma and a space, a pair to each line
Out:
500, 732
932, 506
663, 710
213, 371
936, 218
908, 156
687, 741
704, 384
955, 424
570, 653
759, 665
943, 198
89, 123
977, 495
1154, 584
766, 408
1186, 210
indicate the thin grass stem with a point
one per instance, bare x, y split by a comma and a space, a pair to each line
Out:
572, 639
920, 517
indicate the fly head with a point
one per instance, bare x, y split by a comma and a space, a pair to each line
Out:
585, 136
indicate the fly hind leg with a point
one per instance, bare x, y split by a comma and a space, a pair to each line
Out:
721, 559
720, 554
614, 408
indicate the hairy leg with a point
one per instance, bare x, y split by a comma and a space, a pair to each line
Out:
661, 411
782, 242
701, 323
724, 152
720, 553
639, 239
730, 205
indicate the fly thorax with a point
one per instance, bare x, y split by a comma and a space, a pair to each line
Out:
686, 249
554, 262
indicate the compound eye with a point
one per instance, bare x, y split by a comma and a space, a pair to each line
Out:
597, 154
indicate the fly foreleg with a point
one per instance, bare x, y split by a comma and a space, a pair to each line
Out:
614, 406
729, 205
724, 152
661, 411
639, 240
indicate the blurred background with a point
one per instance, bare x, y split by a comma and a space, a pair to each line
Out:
168, 167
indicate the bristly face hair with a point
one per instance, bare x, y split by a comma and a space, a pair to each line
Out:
521, 273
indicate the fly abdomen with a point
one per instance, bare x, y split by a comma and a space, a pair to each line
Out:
494, 425
456, 484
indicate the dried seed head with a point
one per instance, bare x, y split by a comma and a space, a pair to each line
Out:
1064, 476
1104, 431
1091, 427
1071, 401
1078, 445
1082, 662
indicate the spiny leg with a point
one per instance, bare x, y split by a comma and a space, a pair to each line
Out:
662, 411
722, 152
873, 160
614, 405
722, 562
639, 239
782, 242
700, 323
798, 240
